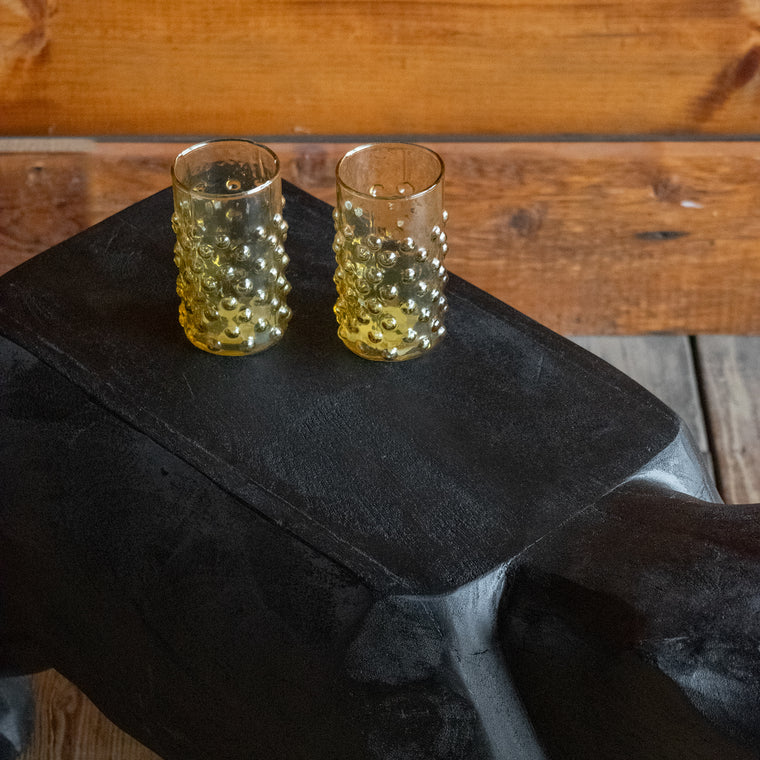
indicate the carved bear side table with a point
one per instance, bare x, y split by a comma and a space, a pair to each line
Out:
504, 549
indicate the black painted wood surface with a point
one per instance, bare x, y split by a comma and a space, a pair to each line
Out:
505, 549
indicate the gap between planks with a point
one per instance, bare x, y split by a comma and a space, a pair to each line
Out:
729, 369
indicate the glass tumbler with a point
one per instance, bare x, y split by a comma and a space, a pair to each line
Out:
390, 246
229, 251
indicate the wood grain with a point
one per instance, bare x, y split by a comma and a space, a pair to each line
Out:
587, 238
69, 727
611, 238
730, 369
43, 200
503, 67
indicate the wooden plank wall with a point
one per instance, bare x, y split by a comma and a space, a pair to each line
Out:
606, 237
330, 67
588, 238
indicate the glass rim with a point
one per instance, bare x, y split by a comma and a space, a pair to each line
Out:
218, 196
368, 146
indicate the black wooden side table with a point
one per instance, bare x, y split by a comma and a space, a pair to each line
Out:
504, 549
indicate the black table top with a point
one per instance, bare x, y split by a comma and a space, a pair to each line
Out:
421, 475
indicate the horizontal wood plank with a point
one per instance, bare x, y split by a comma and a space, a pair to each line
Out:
43, 200
598, 238
730, 369
446, 67
587, 238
